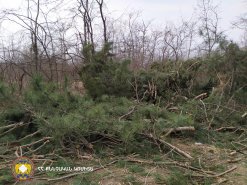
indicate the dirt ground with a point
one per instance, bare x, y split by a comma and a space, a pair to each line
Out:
208, 157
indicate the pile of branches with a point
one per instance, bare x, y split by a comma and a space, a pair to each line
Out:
43, 148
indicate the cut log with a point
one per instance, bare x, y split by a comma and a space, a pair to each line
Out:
178, 129
201, 96
244, 115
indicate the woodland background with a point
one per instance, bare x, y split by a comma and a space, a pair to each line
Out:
89, 88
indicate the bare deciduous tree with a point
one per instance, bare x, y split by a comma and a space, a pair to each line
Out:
209, 25
103, 18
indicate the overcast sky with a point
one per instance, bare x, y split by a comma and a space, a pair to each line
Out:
163, 11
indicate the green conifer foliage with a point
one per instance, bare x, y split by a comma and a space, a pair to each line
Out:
103, 76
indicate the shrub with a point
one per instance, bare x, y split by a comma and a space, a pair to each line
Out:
103, 76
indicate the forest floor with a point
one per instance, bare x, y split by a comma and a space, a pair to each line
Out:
210, 165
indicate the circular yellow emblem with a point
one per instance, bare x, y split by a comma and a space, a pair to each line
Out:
23, 169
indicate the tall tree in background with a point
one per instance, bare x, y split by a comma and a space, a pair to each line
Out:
103, 18
34, 34
85, 8
241, 23
209, 25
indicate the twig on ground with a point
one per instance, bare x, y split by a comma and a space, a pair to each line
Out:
227, 171
14, 127
127, 114
41, 146
234, 129
183, 153
30, 135
206, 114
35, 142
